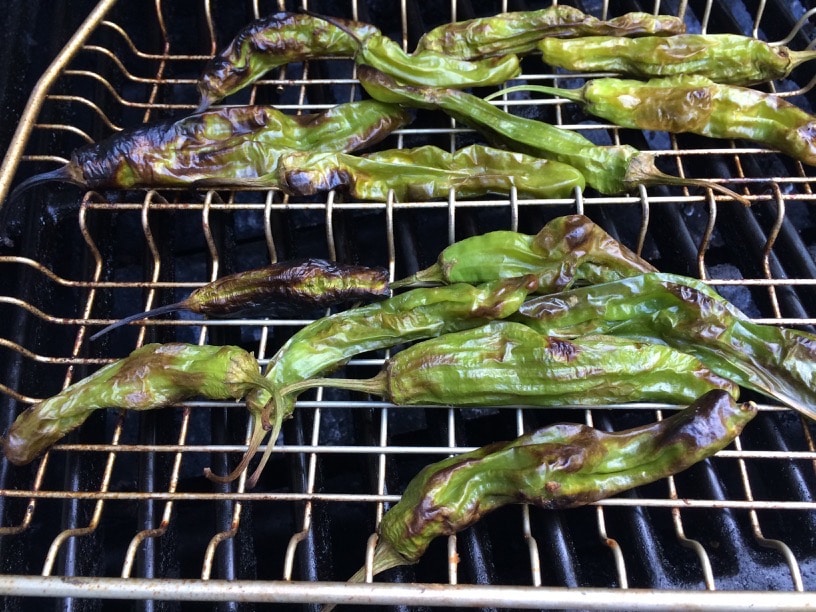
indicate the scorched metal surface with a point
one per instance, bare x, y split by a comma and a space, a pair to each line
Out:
120, 509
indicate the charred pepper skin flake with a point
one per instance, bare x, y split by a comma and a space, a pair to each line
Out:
310, 283
560, 466
152, 376
519, 31
687, 314
724, 58
505, 363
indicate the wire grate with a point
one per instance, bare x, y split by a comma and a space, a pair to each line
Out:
121, 506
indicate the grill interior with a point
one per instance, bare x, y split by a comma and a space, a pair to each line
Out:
123, 502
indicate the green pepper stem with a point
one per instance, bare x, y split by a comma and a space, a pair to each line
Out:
800, 57
432, 274
376, 385
575, 95
258, 434
139, 316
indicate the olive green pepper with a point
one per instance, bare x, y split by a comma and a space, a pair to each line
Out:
519, 31
723, 58
505, 363
696, 104
689, 315
568, 250
428, 172
560, 466
152, 376
329, 342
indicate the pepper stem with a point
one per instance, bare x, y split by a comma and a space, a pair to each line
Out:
139, 316
800, 57
377, 385
276, 402
432, 274
258, 434
575, 95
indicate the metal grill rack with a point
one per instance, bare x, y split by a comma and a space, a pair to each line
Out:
120, 509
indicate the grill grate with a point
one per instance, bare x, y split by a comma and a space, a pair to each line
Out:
121, 506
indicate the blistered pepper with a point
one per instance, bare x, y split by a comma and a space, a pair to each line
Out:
426, 173
723, 58
560, 466
519, 31
310, 283
152, 376
568, 250
689, 315
506, 363
697, 105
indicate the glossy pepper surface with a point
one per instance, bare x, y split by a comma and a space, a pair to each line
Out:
687, 314
152, 376
329, 342
225, 147
427, 173
609, 169
506, 363
559, 466
309, 283
519, 31
724, 58
568, 250
698, 105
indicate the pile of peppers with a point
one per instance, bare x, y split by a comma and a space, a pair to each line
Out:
568, 315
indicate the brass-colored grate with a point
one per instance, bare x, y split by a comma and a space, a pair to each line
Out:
126, 486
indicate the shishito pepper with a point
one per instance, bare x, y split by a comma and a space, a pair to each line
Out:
152, 376
559, 466
286, 37
519, 31
568, 250
689, 315
225, 147
697, 105
724, 58
310, 283
427, 173
506, 363
609, 169
329, 342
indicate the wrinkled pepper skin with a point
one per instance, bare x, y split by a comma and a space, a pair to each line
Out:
237, 146
329, 342
504, 363
697, 105
560, 466
608, 169
152, 376
568, 250
690, 316
428, 173
519, 31
724, 58
310, 283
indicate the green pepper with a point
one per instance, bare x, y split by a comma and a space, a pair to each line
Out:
236, 146
329, 342
567, 250
505, 363
560, 466
687, 314
609, 169
519, 31
723, 58
696, 104
314, 283
152, 376
428, 172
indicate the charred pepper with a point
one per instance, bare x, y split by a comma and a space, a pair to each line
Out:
519, 31
427, 173
724, 58
609, 169
698, 105
308, 283
329, 342
689, 315
225, 147
152, 376
567, 250
505, 363
560, 466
